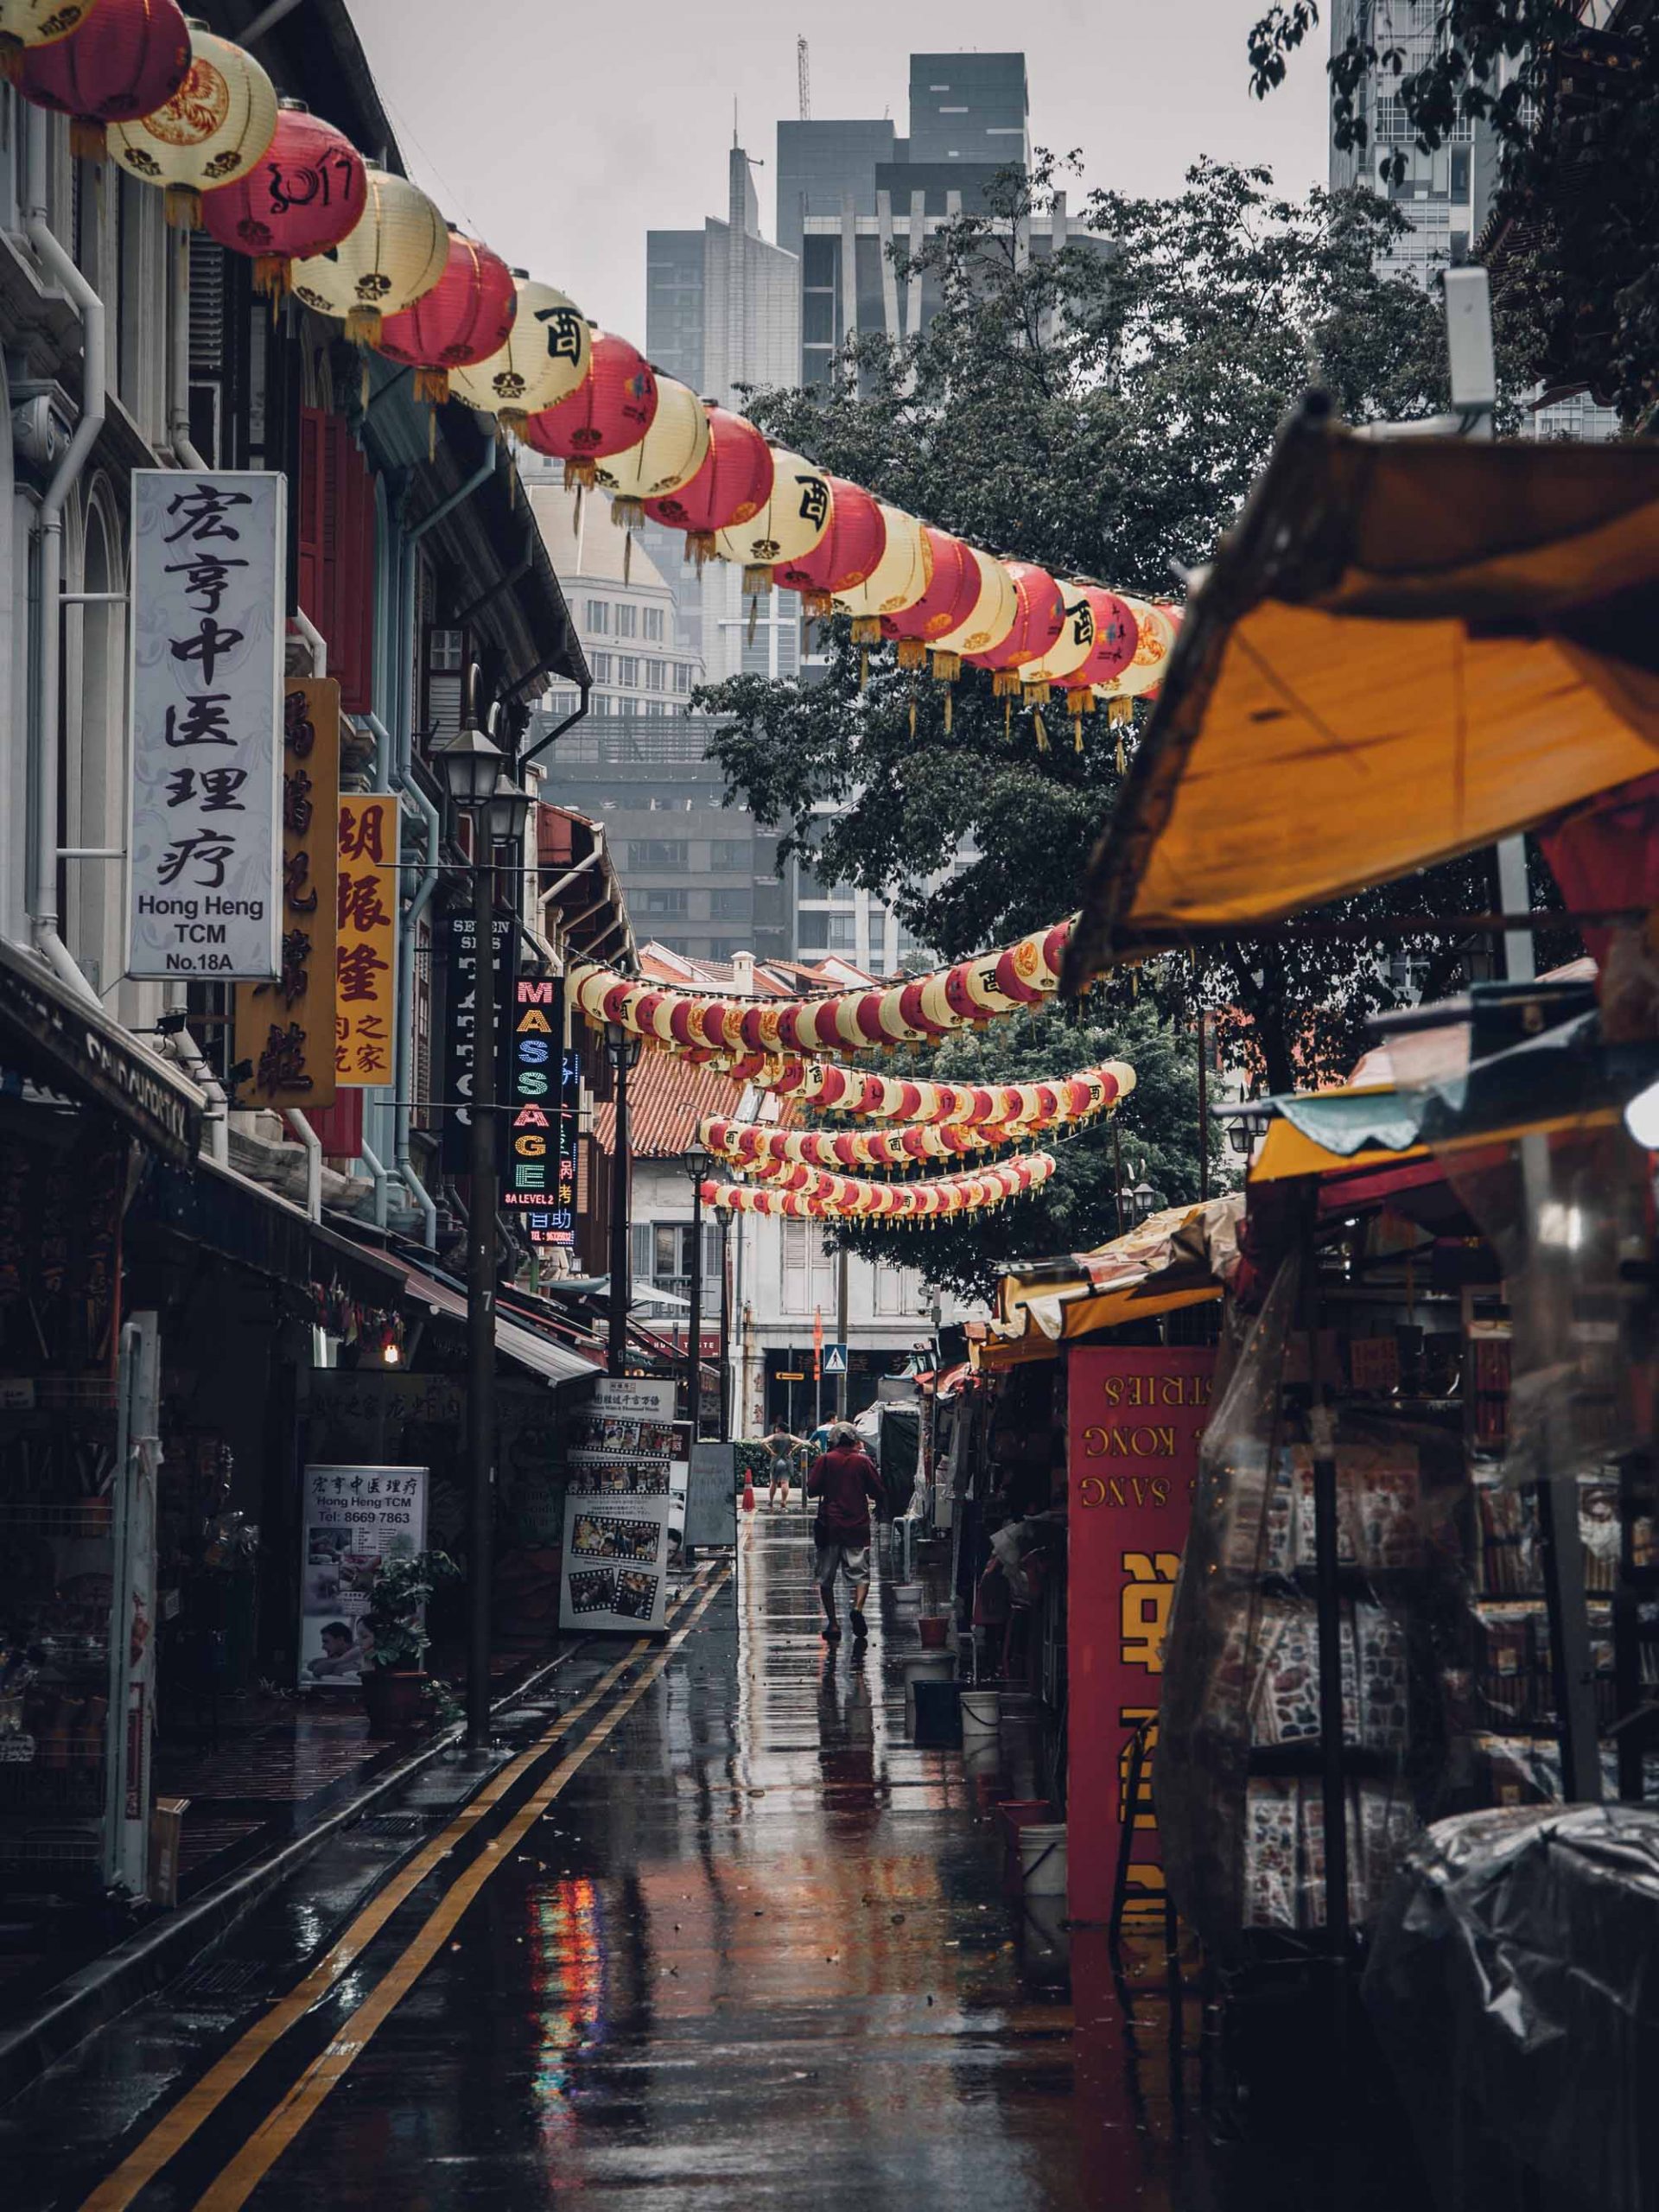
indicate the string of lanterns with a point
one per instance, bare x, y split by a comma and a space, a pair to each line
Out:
850, 1196
179, 108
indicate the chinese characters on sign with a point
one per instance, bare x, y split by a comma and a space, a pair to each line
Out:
460, 1040
1135, 1416
204, 828
543, 1094
353, 1518
286, 1029
365, 946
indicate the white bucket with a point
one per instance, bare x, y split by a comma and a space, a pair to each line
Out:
1042, 1859
925, 1666
981, 1712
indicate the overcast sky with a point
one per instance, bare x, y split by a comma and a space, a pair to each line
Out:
562, 134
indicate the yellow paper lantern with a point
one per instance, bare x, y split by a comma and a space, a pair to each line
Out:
24, 23
545, 359
669, 455
394, 258
993, 615
786, 529
898, 580
213, 130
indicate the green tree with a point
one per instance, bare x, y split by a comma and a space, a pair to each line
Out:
1574, 106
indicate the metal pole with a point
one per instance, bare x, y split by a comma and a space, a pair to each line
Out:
1203, 1115
725, 1329
618, 1360
480, 1286
1118, 1175
843, 1381
694, 1328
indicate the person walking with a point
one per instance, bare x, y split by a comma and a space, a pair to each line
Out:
782, 1447
846, 1484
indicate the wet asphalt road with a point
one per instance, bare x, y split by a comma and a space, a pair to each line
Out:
732, 1939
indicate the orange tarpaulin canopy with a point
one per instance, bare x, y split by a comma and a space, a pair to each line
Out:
1408, 648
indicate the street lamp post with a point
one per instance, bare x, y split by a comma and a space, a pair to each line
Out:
725, 1327
622, 1051
696, 1164
474, 772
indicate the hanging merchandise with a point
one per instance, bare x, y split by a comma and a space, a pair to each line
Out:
466, 316
1039, 616
952, 593
136, 58
544, 359
397, 252
307, 191
26, 24
731, 487
794, 518
210, 132
899, 579
845, 1196
1154, 635
668, 456
846, 553
611, 411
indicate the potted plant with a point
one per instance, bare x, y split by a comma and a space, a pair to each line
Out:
395, 1683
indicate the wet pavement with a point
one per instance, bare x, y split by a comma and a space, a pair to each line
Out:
715, 1933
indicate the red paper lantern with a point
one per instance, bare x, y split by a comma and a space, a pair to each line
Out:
844, 556
733, 485
1036, 625
1116, 635
304, 196
134, 59
950, 599
609, 413
468, 315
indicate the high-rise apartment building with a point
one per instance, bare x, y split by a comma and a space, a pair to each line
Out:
970, 107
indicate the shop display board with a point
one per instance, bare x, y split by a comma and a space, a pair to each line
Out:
1135, 1415
619, 1456
711, 1494
353, 1518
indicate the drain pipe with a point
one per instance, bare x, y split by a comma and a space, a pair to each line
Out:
180, 1046
178, 382
404, 1024
60, 270
382, 1181
313, 1143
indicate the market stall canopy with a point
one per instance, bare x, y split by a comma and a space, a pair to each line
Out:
1408, 648
1179, 1257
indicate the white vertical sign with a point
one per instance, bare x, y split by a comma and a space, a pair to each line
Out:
205, 836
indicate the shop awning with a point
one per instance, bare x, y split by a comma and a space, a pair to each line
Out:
1408, 648
67, 1046
553, 1362
1175, 1258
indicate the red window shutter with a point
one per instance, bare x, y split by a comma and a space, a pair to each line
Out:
338, 1128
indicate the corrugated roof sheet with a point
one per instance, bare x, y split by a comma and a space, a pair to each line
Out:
667, 1098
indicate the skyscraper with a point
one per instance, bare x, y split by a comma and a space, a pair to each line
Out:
970, 107
1445, 195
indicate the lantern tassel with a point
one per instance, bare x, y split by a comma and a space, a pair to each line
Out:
1122, 763
863, 670
1007, 718
911, 653
182, 205
433, 386
88, 141
431, 435
913, 710
949, 701
702, 546
626, 510
579, 475
273, 275
362, 325
867, 629
627, 554
1039, 725
12, 57
1004, 683
754, 618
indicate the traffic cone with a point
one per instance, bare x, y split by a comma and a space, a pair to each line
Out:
748, 1492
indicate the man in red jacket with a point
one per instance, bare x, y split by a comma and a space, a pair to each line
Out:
846, 1484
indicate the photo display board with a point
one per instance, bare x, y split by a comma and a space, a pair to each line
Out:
618, 1498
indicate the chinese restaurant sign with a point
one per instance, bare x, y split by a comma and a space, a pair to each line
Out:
286, 1029
460, 1040
1135, 1413
543, 1094
205, 821
365, 946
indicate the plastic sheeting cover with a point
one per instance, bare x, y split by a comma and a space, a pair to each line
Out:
1515, 1984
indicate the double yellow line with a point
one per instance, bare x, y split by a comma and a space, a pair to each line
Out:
238, 2181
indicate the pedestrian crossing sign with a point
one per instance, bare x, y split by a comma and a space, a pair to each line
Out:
835, 1359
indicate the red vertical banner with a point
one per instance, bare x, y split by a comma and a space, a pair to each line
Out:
1135, 1413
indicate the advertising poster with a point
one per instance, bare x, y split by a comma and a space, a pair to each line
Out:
1135, 1416
457, 934
618, 1499
711, 1498
365, 946
203, 839
353, 1517
285, 1028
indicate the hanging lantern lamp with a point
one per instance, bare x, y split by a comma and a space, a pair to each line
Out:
1039, 616
950, 597
846, 554
398, 252
27, 24
995, 610
794, 518
611, 411
899, 579
210, 132
668, 456
733, 485
306, 192
543, 361
465, 317
136, 58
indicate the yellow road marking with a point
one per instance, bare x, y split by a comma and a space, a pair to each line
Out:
203, 2098
254, 2161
